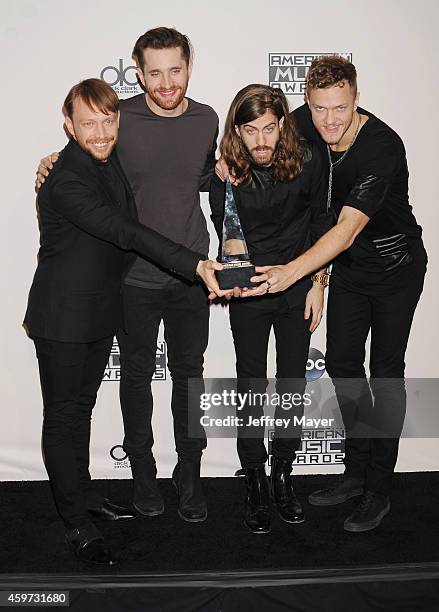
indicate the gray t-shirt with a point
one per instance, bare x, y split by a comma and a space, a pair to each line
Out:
168, 161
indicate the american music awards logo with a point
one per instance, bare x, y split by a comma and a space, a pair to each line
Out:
122, 78
287, 71
322, 446
318, 447
112, 371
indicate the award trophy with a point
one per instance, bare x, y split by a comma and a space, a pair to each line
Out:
238, 269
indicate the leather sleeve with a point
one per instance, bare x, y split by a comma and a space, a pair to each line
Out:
368, 194
382, 164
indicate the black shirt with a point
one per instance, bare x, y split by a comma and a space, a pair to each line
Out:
279, 220
113, 181
373, 178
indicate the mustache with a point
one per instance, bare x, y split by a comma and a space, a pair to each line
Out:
99, 140
265, 148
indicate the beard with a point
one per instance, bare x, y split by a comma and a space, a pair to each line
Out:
265, 156
171, 102
100, 155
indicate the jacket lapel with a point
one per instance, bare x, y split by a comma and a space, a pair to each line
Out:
131, 202
85, 160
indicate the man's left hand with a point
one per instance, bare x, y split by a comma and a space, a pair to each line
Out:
314, 303
273, 279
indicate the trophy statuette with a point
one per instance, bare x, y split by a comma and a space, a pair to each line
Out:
238, 269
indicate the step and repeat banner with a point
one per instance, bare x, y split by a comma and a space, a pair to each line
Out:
47, 46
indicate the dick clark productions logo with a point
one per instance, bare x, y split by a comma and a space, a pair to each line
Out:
287, 71
123, 79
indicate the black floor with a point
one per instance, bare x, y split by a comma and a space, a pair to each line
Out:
31, 535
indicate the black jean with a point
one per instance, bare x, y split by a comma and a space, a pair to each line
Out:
70, 374
251, 323
351, 315
185, 313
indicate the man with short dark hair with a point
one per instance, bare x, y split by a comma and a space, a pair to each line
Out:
167, 148
87, 219
167, 145
376, 281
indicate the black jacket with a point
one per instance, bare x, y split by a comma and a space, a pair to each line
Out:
280, 221
84, 236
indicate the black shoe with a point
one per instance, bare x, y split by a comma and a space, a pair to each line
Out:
257, 505
369, 513
192, 505
89, 546
147, 499
108, 511
288, 506
342, 490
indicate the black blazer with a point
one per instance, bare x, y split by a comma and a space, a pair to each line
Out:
84, 238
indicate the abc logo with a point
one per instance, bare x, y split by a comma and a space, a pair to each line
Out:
315, 367
119, 76
117, 453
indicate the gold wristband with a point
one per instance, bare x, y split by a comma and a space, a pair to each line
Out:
322, 278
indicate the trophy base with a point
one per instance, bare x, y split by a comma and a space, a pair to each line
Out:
236, 274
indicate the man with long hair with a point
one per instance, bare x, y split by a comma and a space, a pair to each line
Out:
376, 282
281, 202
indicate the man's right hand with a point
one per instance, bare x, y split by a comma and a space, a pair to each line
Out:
46, 165
222, 171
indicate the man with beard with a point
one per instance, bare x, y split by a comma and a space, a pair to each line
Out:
87, 223
281, 203
167, 146
376, 282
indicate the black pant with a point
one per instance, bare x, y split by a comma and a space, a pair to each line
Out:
251, 322
70, 375
185, 313
351, 315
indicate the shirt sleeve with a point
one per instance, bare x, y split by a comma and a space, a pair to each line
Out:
209, 168
216, 201
378, 170
74, 200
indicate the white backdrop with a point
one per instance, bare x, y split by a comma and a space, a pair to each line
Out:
48, 45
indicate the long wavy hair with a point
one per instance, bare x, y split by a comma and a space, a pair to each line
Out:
249, 104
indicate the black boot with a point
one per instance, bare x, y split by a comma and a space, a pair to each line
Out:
288, 506
191, 501
257, 509
147, 499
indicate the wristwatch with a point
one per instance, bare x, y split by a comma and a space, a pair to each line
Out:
322, 278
